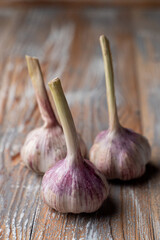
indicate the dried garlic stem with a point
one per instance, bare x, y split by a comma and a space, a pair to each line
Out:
112, 108
44, 104
66, 119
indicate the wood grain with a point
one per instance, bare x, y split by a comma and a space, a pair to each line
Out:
82, 3
68, 47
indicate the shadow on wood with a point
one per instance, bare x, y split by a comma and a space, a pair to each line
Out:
107, 209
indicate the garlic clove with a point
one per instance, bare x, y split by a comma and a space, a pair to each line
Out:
46, 145
118, 152
73, 184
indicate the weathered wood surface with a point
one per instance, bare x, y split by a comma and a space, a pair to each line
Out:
83, 3
67, 44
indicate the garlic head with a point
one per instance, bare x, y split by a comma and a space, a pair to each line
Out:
118, 152
74, 188
46, 145
122, 154
73, 184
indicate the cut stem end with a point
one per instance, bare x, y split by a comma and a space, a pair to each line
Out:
44, 104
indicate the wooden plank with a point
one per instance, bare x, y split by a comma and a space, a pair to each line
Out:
68, 47
16, 180
81, 3
148, 62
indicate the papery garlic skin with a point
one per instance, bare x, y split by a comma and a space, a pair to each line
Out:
76, 188
121, 154
43, 147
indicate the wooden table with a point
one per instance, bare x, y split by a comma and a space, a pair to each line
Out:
66, 42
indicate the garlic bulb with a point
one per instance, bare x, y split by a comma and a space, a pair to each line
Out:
118, 152
73, 184
46, 145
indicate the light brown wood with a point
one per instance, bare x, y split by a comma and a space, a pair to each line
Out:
132, 210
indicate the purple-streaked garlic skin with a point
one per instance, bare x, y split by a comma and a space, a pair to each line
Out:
43, 147
74, 188
121, 154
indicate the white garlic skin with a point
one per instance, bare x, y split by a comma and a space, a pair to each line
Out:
43, 147
122, 154
77, 188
